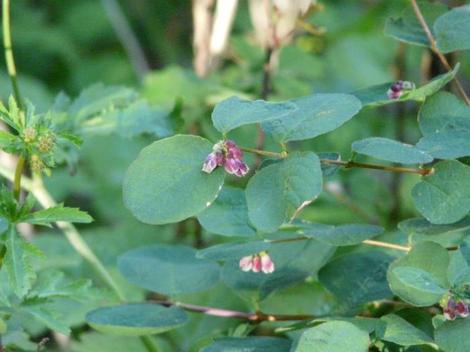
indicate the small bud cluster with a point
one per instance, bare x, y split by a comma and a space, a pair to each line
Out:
29, 135
256, 263
227, 154
46, 142
36, 163
454, 307
397, 89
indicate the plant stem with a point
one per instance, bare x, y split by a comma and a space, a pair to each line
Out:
227, 313
18, 174
347, 164
9, 58
366, 242
435, 49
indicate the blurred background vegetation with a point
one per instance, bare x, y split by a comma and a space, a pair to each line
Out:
69, 45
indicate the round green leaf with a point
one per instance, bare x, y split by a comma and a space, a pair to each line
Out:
452, 28
167, 269
333, 336
401, 332
165, 184
390, 150
136, 319
249, 344
316, 114
452, 336
228, 215
276, 191
235, 112
428, 257
444, 196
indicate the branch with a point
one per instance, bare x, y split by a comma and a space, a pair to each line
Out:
347, 164
435, 49
257, 317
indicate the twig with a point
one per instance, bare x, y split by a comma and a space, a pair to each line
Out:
347, 164
435, 49
127, 37
257, 317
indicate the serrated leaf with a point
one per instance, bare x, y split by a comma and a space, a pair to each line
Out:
54, 214
249, 344
47, 316
8, 142
401, 332
168, 269
333, 336
56, 284
428, 257
235, 112
228, 214
451, 30
19, 269
136, 319
390, 150
444, 196
315, 115
377, 95
171, 169
276, 191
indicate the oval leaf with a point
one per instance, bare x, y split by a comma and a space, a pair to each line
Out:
168, 269
347, 235
452, 28
165, 184
249, 344
136, 319
227, 251
276, 191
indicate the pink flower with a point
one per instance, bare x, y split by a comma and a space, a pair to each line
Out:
398, 88
227, 154
454, 308
260, 262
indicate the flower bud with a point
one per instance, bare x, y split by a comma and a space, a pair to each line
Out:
46, 142
29, 134
454, 307
260, 262
398, 88
36, 163
227, 154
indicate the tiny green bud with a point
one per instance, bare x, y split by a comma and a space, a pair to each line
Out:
36, 163
46, 142
29, 134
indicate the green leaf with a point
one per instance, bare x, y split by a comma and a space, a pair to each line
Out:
249, 344
377, 95
418, 279
444, 196
56, 284
54, 214
235, 112
451, 336
227, 251
136, 319
165, 184
390, 150
428, 257
419, 229
408, 29
445, 123
97, 342
228, 215
168, 269
452, 28
48, 316
4, 223
401, 332
20, 272
316, 114
346, 235
333, 336
8, 142
276, 191
357, 278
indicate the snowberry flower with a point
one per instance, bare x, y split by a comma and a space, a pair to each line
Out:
227, 154
454, 308
260, 262
398, 88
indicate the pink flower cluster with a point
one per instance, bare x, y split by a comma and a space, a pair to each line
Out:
454, 308
260, 262
227, 154
397, 88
